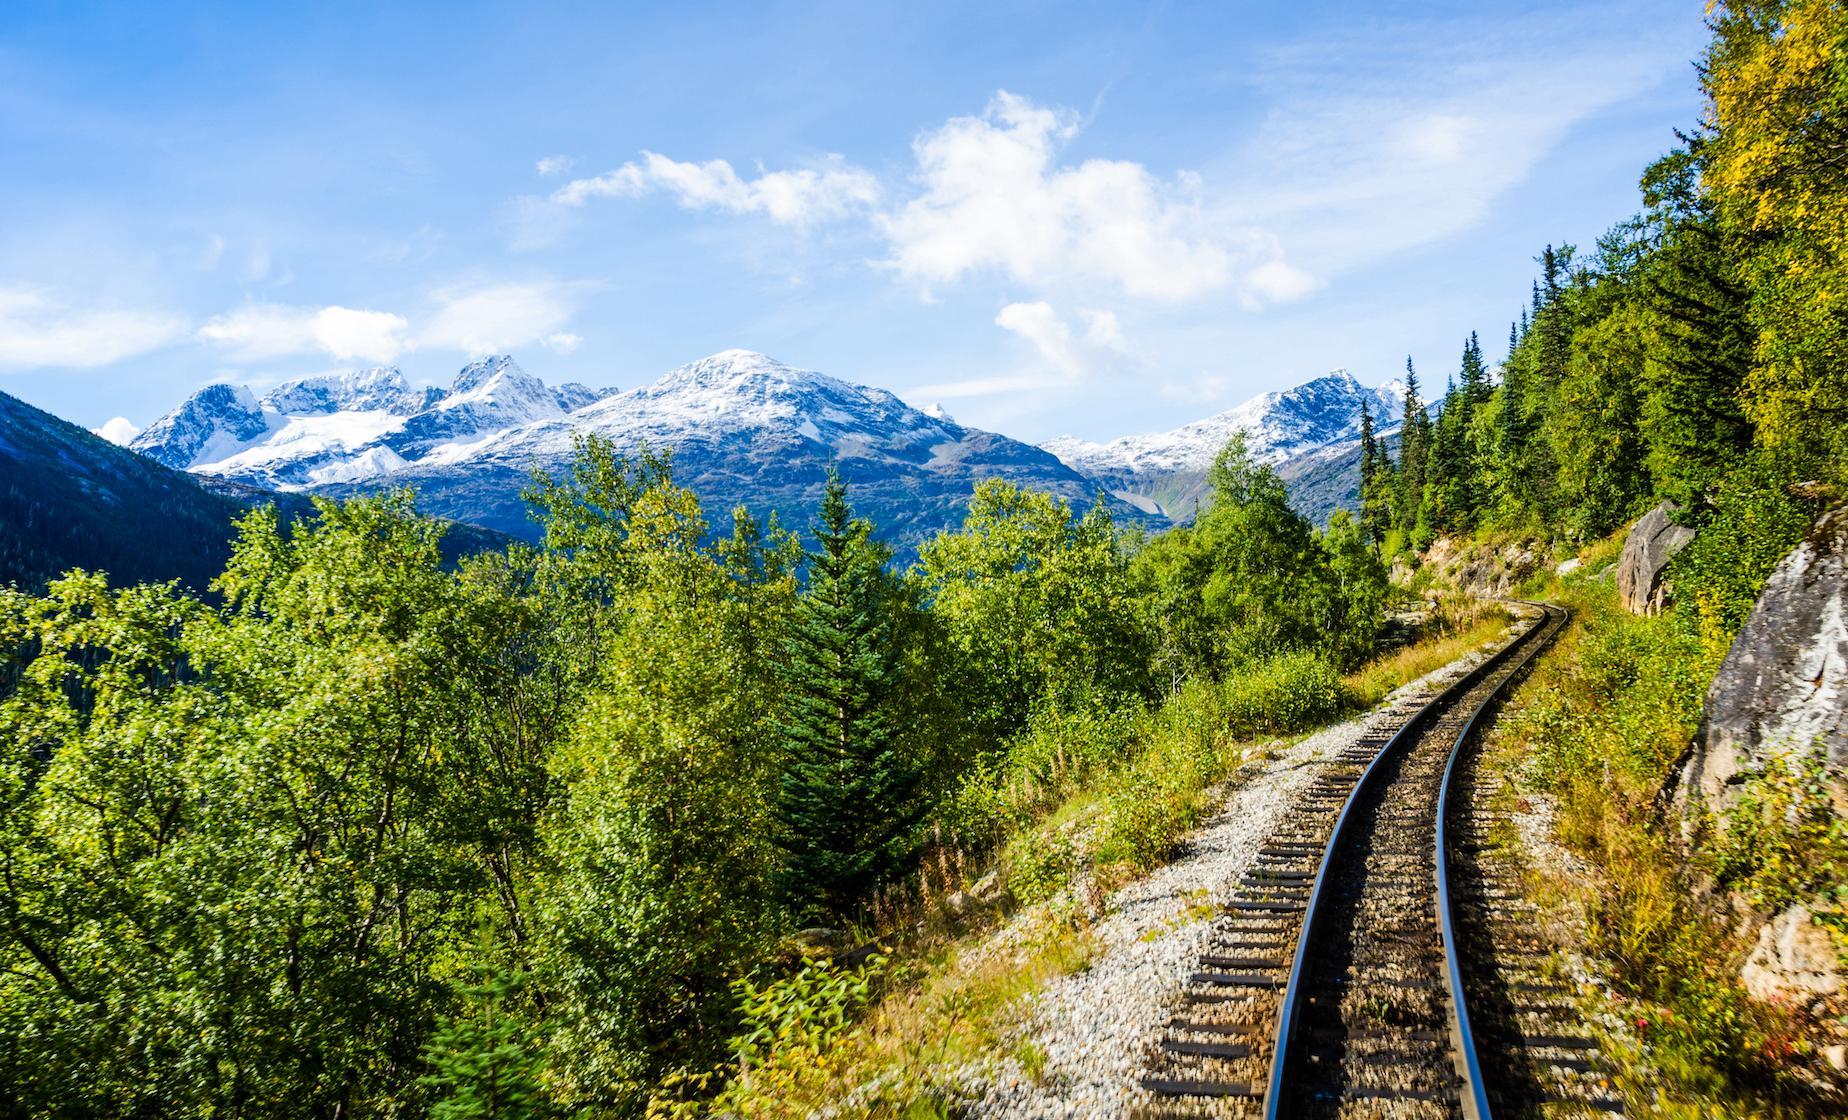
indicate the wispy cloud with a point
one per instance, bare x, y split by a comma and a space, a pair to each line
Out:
554, 165
494, 318
1074, 354
1396, 134
40, 329
797, 197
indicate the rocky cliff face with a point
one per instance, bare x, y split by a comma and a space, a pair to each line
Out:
1783, 690
1784, 684
1652, 543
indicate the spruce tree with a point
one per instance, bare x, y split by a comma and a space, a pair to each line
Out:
1369, 472
1414, 448
1475, 373
847, 806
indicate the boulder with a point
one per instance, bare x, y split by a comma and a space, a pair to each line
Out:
1794, 959
1653, 542
1567, 567
1783, 687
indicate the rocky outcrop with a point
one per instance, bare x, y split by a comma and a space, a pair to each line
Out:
1653, 542
1485, 570
1795, 959
1783, 687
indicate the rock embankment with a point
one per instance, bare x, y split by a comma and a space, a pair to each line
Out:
1783, 688
1653, 542
1781, 695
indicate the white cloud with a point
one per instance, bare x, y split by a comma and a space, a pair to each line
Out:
1073, 354
496, 318
268, 330
38, 329
1275, 281
555, 165
993, 198
791, 197
118, 430
563, 342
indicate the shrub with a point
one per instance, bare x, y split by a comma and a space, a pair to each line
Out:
1040, 863
1280, 694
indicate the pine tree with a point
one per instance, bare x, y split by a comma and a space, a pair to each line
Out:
488, 1065
847, 806
1475, 373
1414, 448
1375, 481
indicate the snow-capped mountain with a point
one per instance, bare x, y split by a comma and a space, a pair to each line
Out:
1165, 471
743, 428
746, 429
347, 427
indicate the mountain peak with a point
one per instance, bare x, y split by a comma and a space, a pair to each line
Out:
480, 372
381, 387
728, 366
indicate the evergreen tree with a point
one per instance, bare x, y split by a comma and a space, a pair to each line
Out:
1414, 448
487, 1065
1475, 373
1375, 481
847, 806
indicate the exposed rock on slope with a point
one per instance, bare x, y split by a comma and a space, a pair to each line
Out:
1784, 683
1653, 542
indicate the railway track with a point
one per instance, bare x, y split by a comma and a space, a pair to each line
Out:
1377, 961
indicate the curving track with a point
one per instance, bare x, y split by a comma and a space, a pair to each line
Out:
1357, 973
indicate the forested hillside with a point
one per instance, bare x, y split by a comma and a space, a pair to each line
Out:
70, 499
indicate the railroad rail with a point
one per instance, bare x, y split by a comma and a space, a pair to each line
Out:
1374, 962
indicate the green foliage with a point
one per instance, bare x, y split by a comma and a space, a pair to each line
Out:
1039, 865
1250, 578
1776, 77
1782, 841
806, 1010
1034, 602
1280, 695
1750, 524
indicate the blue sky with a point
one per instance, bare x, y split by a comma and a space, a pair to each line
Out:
1093, 219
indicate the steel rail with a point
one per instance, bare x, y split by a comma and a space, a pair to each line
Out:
1475, 1096
1274, 1099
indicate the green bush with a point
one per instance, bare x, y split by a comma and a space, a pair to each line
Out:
1280, 694
806, 1010
1039, 865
